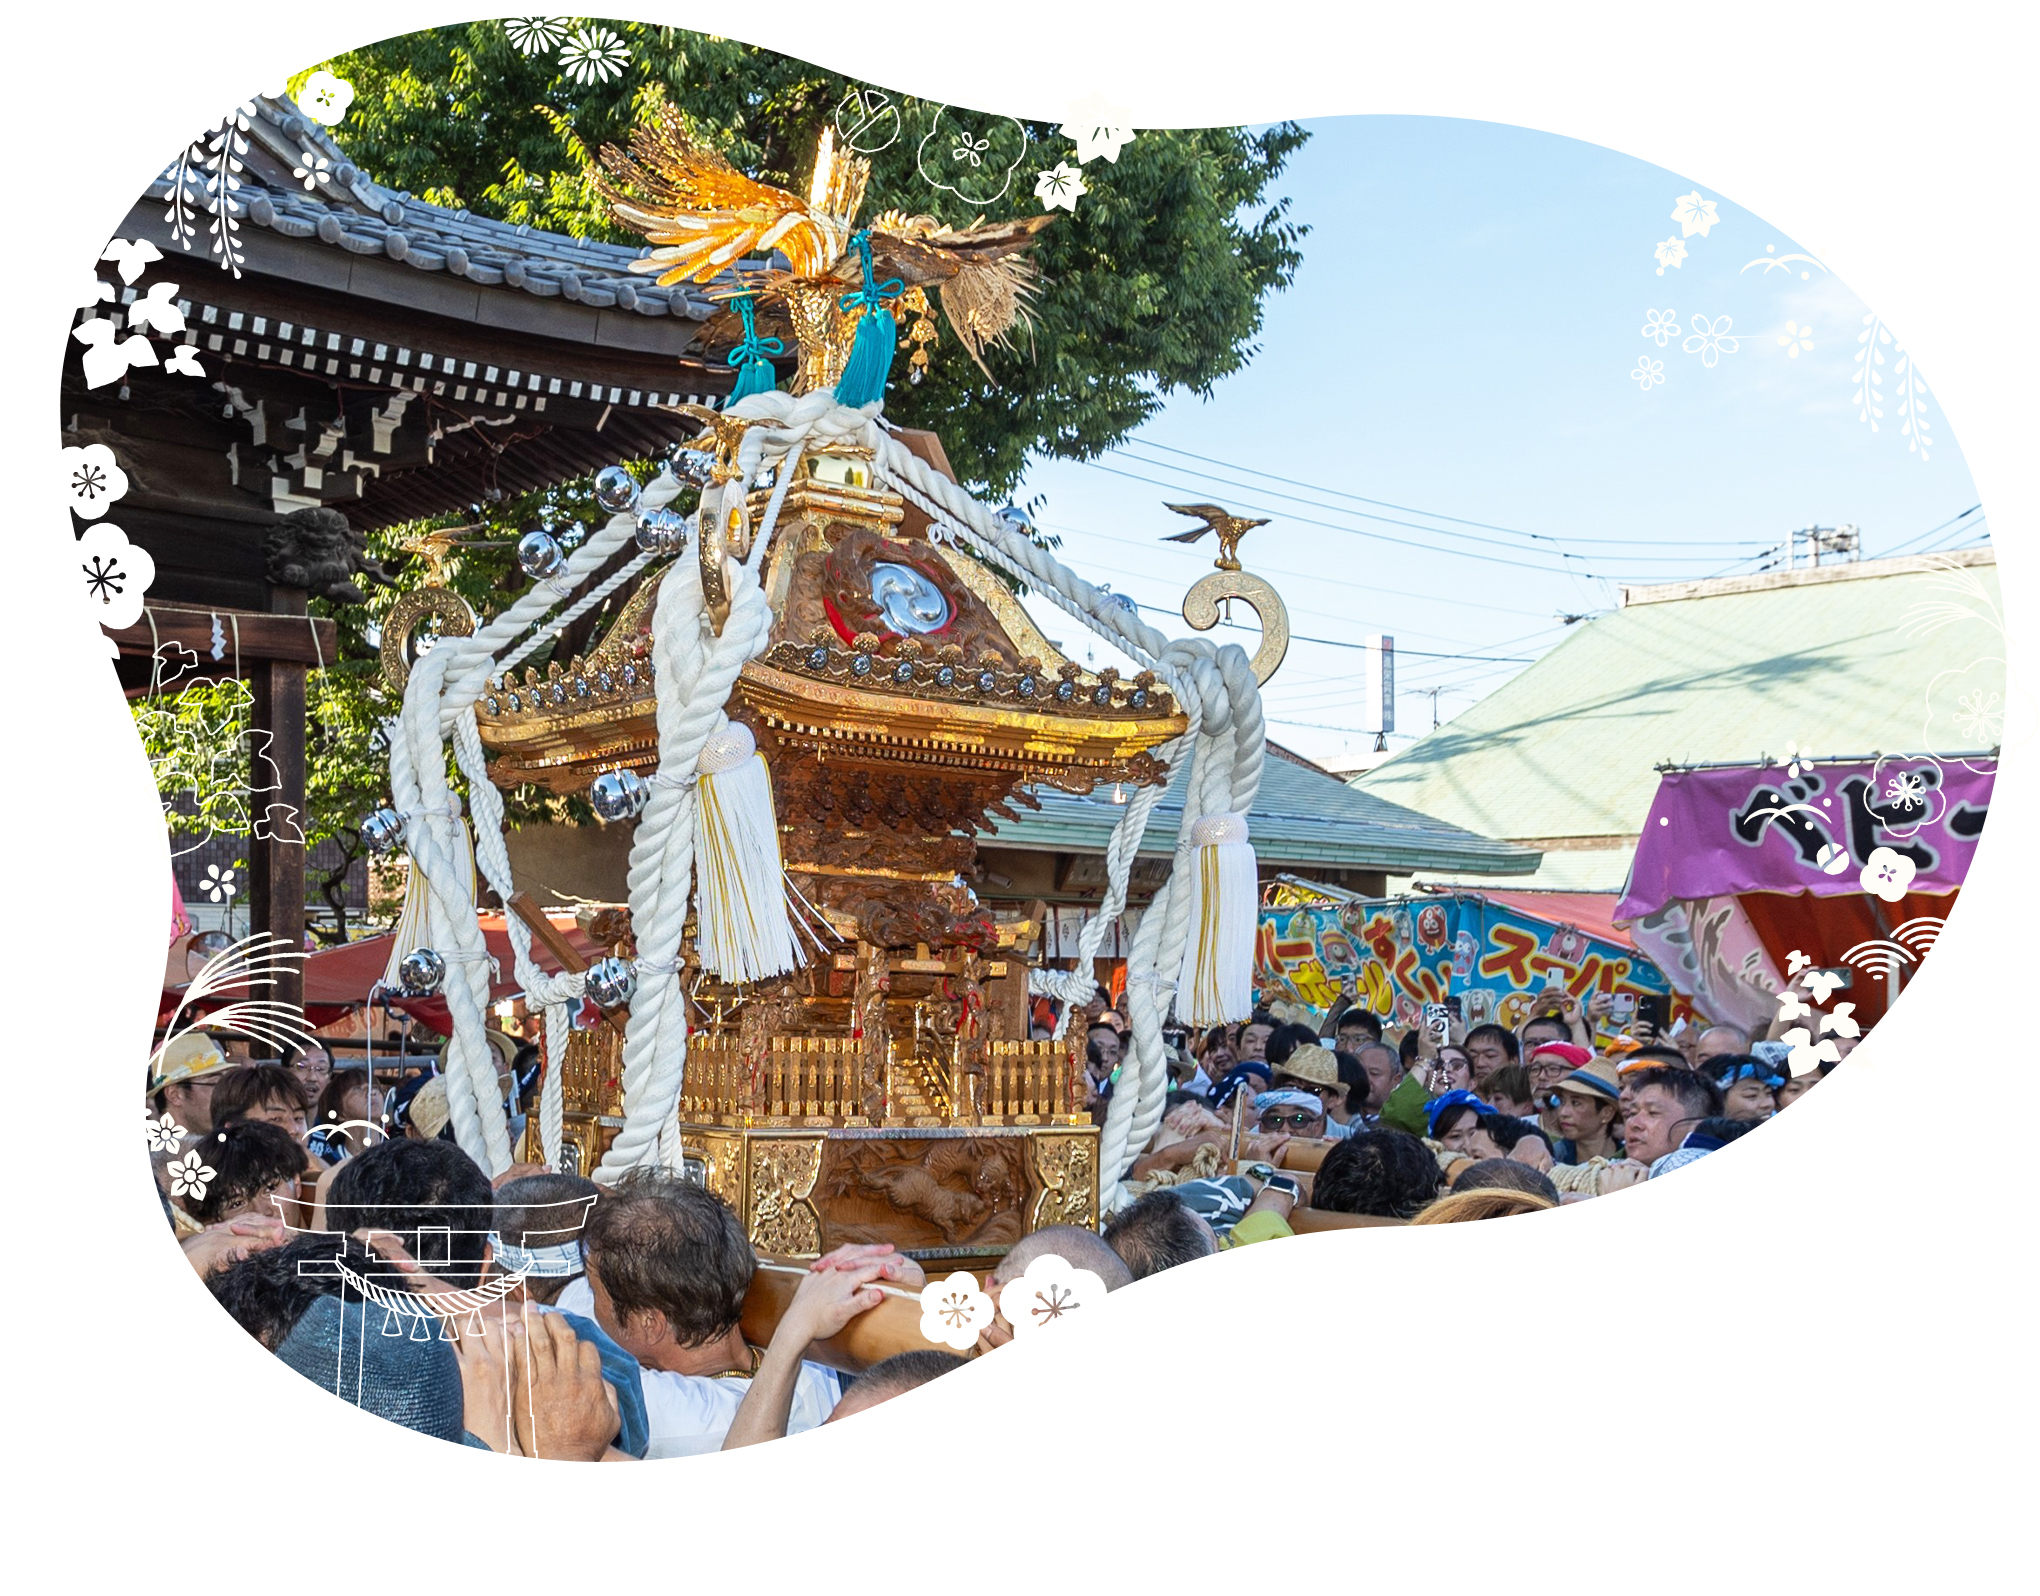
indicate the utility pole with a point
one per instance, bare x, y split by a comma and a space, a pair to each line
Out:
1432, 693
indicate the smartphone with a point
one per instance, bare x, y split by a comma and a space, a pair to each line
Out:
1437, 1019
1656, 1008
1622, 1009
1455, 1008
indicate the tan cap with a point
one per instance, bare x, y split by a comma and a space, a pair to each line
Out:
185, 1058
429, 1110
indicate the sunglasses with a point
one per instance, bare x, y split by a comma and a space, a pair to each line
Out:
1295, 1121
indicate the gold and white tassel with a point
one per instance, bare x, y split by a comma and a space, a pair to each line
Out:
411, 922
1217, 980
744, 927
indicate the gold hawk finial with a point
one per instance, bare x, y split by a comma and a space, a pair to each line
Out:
1229, 527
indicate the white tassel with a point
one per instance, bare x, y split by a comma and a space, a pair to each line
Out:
1217, 981
744, 927
411, 923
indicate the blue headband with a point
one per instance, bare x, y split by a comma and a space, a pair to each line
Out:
547, 1263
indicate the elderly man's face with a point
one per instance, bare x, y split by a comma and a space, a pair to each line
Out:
1383, 1069
1292, 1119
1253, 1046
1716, 1042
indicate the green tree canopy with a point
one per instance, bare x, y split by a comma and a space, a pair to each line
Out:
1155, 284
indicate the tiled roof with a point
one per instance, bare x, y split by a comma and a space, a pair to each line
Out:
347, 210
1301, 818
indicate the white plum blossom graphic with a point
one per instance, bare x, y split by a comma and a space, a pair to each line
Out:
954, 1311
1841, 1021
594, 55
325, 98
1808, 1054
1061, 185
312, 169
1795, 340
1648, 372
1978, 715
1796, 760
1660, 325
130, 259
190, 1175
165, 1134
1672, 252
115, 576
1000, 143
1888, 875
535, 35
218, 884
1710, 339
1907, 789
1694, 214
1051, 1290
93, 478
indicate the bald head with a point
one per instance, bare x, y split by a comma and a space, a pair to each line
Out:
1718, 1041
1076, 1246
897, 1375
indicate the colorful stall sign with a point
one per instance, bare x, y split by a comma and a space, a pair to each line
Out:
1402, 953
1806, 828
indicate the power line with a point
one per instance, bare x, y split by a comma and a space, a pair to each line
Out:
1332, 642
1407, 509
1900, 548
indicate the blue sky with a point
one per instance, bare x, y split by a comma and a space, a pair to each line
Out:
1460, 340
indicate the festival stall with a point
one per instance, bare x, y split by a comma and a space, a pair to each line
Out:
1496, 952
1854, 864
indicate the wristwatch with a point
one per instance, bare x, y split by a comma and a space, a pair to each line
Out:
1288, 1185
1260, 1171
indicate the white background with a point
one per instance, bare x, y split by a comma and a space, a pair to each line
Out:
1806, 1359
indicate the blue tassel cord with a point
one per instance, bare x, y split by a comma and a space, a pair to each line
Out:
871, 350
754, 369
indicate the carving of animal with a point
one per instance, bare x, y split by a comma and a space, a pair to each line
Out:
317, 550
1229, 527
912, 1190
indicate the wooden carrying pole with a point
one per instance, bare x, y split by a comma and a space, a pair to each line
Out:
873, 1336
560, 948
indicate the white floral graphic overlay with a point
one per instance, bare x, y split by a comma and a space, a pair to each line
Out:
1796, 759
1710, 339
190, 1175
535, 35
1907, 789
156, 311
954, 1311
218, 883
1978, 715
999, 142
1792, 1007
108, 356
1648, 372
1051, 1290
115, 575
1694, 214
1808, 1054
1888, 875
1822, 984
594, 55
1060, 185
325, 98
868, 120
312, 169
1795, 340
130, 259
94, 479
1840, 1021
1833, 859
1660, 325
165, 1134
1672, 252
1098, 129
1795, 961
183, 362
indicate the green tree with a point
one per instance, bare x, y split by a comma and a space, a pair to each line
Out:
1154, 285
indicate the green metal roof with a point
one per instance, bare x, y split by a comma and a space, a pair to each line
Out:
1302, 817
1707, 672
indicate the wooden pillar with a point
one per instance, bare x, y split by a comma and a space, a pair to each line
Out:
277, 860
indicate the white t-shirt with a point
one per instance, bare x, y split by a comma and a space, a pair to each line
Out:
688, 1414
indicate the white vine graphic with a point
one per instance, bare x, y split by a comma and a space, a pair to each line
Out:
1909, 389
207, 179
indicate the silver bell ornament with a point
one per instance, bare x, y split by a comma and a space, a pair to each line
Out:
618, 795
1015, 520
611, 982
692, 465
616, 490
539, 554
662, 531
383, 831
422, 972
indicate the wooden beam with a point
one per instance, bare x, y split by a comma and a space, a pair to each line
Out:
560, 948
276, 856
290, 637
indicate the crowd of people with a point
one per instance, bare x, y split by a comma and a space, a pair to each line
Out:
330, 1212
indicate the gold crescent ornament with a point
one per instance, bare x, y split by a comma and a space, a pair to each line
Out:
1200, 609
439, 604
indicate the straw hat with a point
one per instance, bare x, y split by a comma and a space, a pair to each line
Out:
1597, 1077
1312, 1063
429, 1111
185, 1058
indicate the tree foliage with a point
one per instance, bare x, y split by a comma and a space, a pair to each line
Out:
1155, 284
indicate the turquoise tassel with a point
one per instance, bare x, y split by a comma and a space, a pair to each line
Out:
754, 370
871, 351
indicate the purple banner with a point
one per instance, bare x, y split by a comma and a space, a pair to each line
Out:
1807, 828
